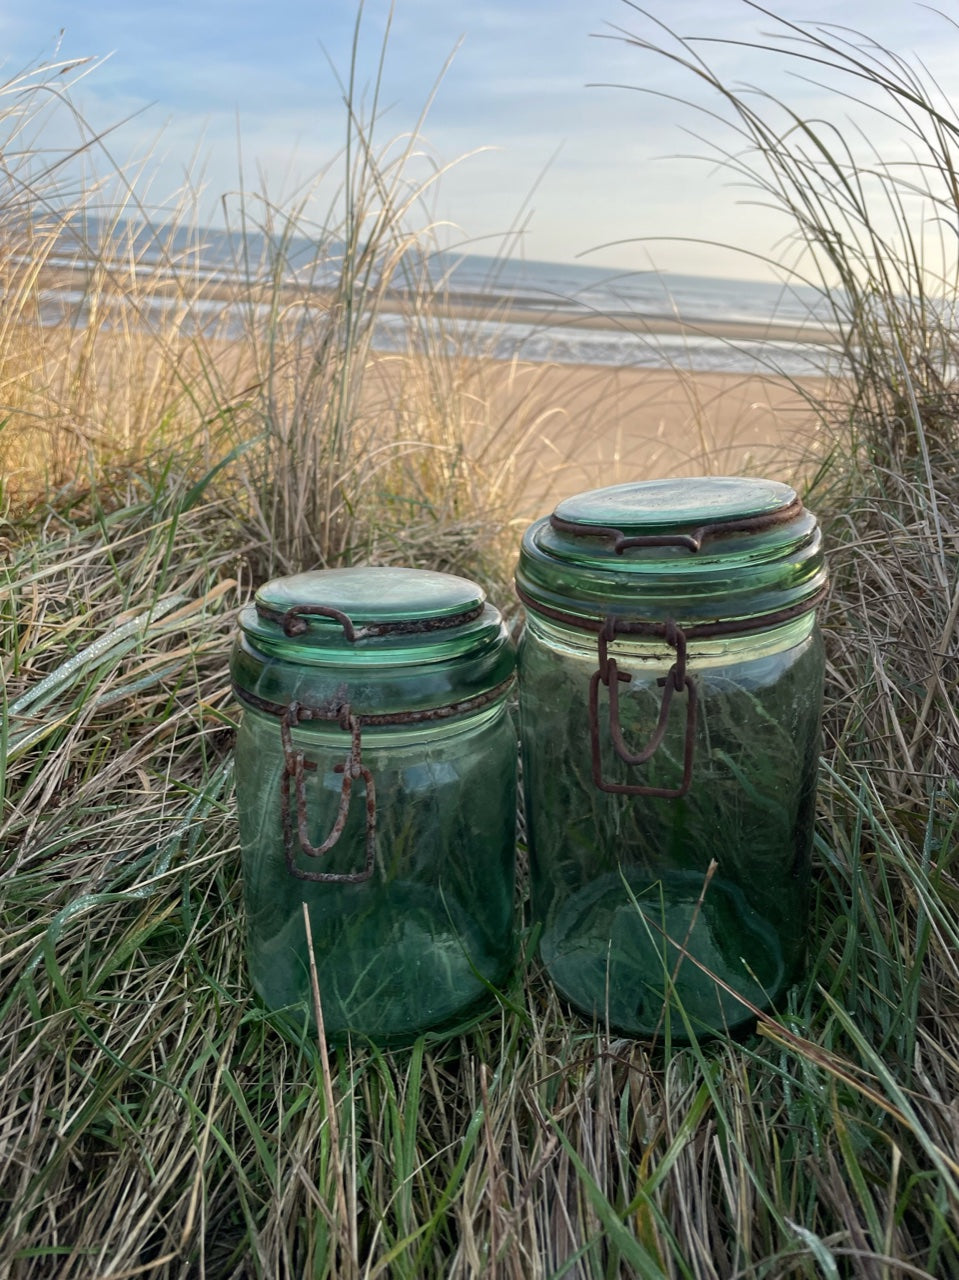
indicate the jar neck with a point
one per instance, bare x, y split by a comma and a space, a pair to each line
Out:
711, 650
326, 720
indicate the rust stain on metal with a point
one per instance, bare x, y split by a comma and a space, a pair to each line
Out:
352, 769
693, 631
331, 710
337, 710
676, 680
691, 541
294, 621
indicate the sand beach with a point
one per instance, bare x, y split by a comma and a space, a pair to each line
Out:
537, 429
598, 426
558, 429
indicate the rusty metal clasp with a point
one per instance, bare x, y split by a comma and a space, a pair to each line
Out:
675, 681
294, 779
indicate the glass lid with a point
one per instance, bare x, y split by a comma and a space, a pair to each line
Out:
370, 595
370, 614
694, 550
659, 505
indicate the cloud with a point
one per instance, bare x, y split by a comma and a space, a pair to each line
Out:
518, 84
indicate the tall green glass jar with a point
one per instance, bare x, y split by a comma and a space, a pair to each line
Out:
376, 784
671, 674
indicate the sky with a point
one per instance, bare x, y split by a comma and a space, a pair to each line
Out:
545, 126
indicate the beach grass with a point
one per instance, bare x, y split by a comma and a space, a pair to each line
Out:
153, 1120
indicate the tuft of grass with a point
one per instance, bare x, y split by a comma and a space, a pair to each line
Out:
869, 230
121, 351
157, 1123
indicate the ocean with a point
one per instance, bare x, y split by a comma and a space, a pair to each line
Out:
547, 312
592, 313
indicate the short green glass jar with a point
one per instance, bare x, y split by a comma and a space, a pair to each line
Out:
671, 674
376, 784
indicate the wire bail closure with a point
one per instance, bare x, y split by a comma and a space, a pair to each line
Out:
337, 710
692, 541
294, 623
294, 778
676, 680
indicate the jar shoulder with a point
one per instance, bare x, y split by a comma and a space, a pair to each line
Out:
756, 659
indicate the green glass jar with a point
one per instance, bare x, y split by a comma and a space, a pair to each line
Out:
376, 783
671, 675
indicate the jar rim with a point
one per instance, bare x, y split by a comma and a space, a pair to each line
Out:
369, 614
651, 551
385, 640
671, 505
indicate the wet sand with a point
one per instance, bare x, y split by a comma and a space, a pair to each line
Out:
162, 284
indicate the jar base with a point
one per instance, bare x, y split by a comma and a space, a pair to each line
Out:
613, 950
390, 966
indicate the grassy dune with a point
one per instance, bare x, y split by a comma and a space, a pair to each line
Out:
153, 1122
